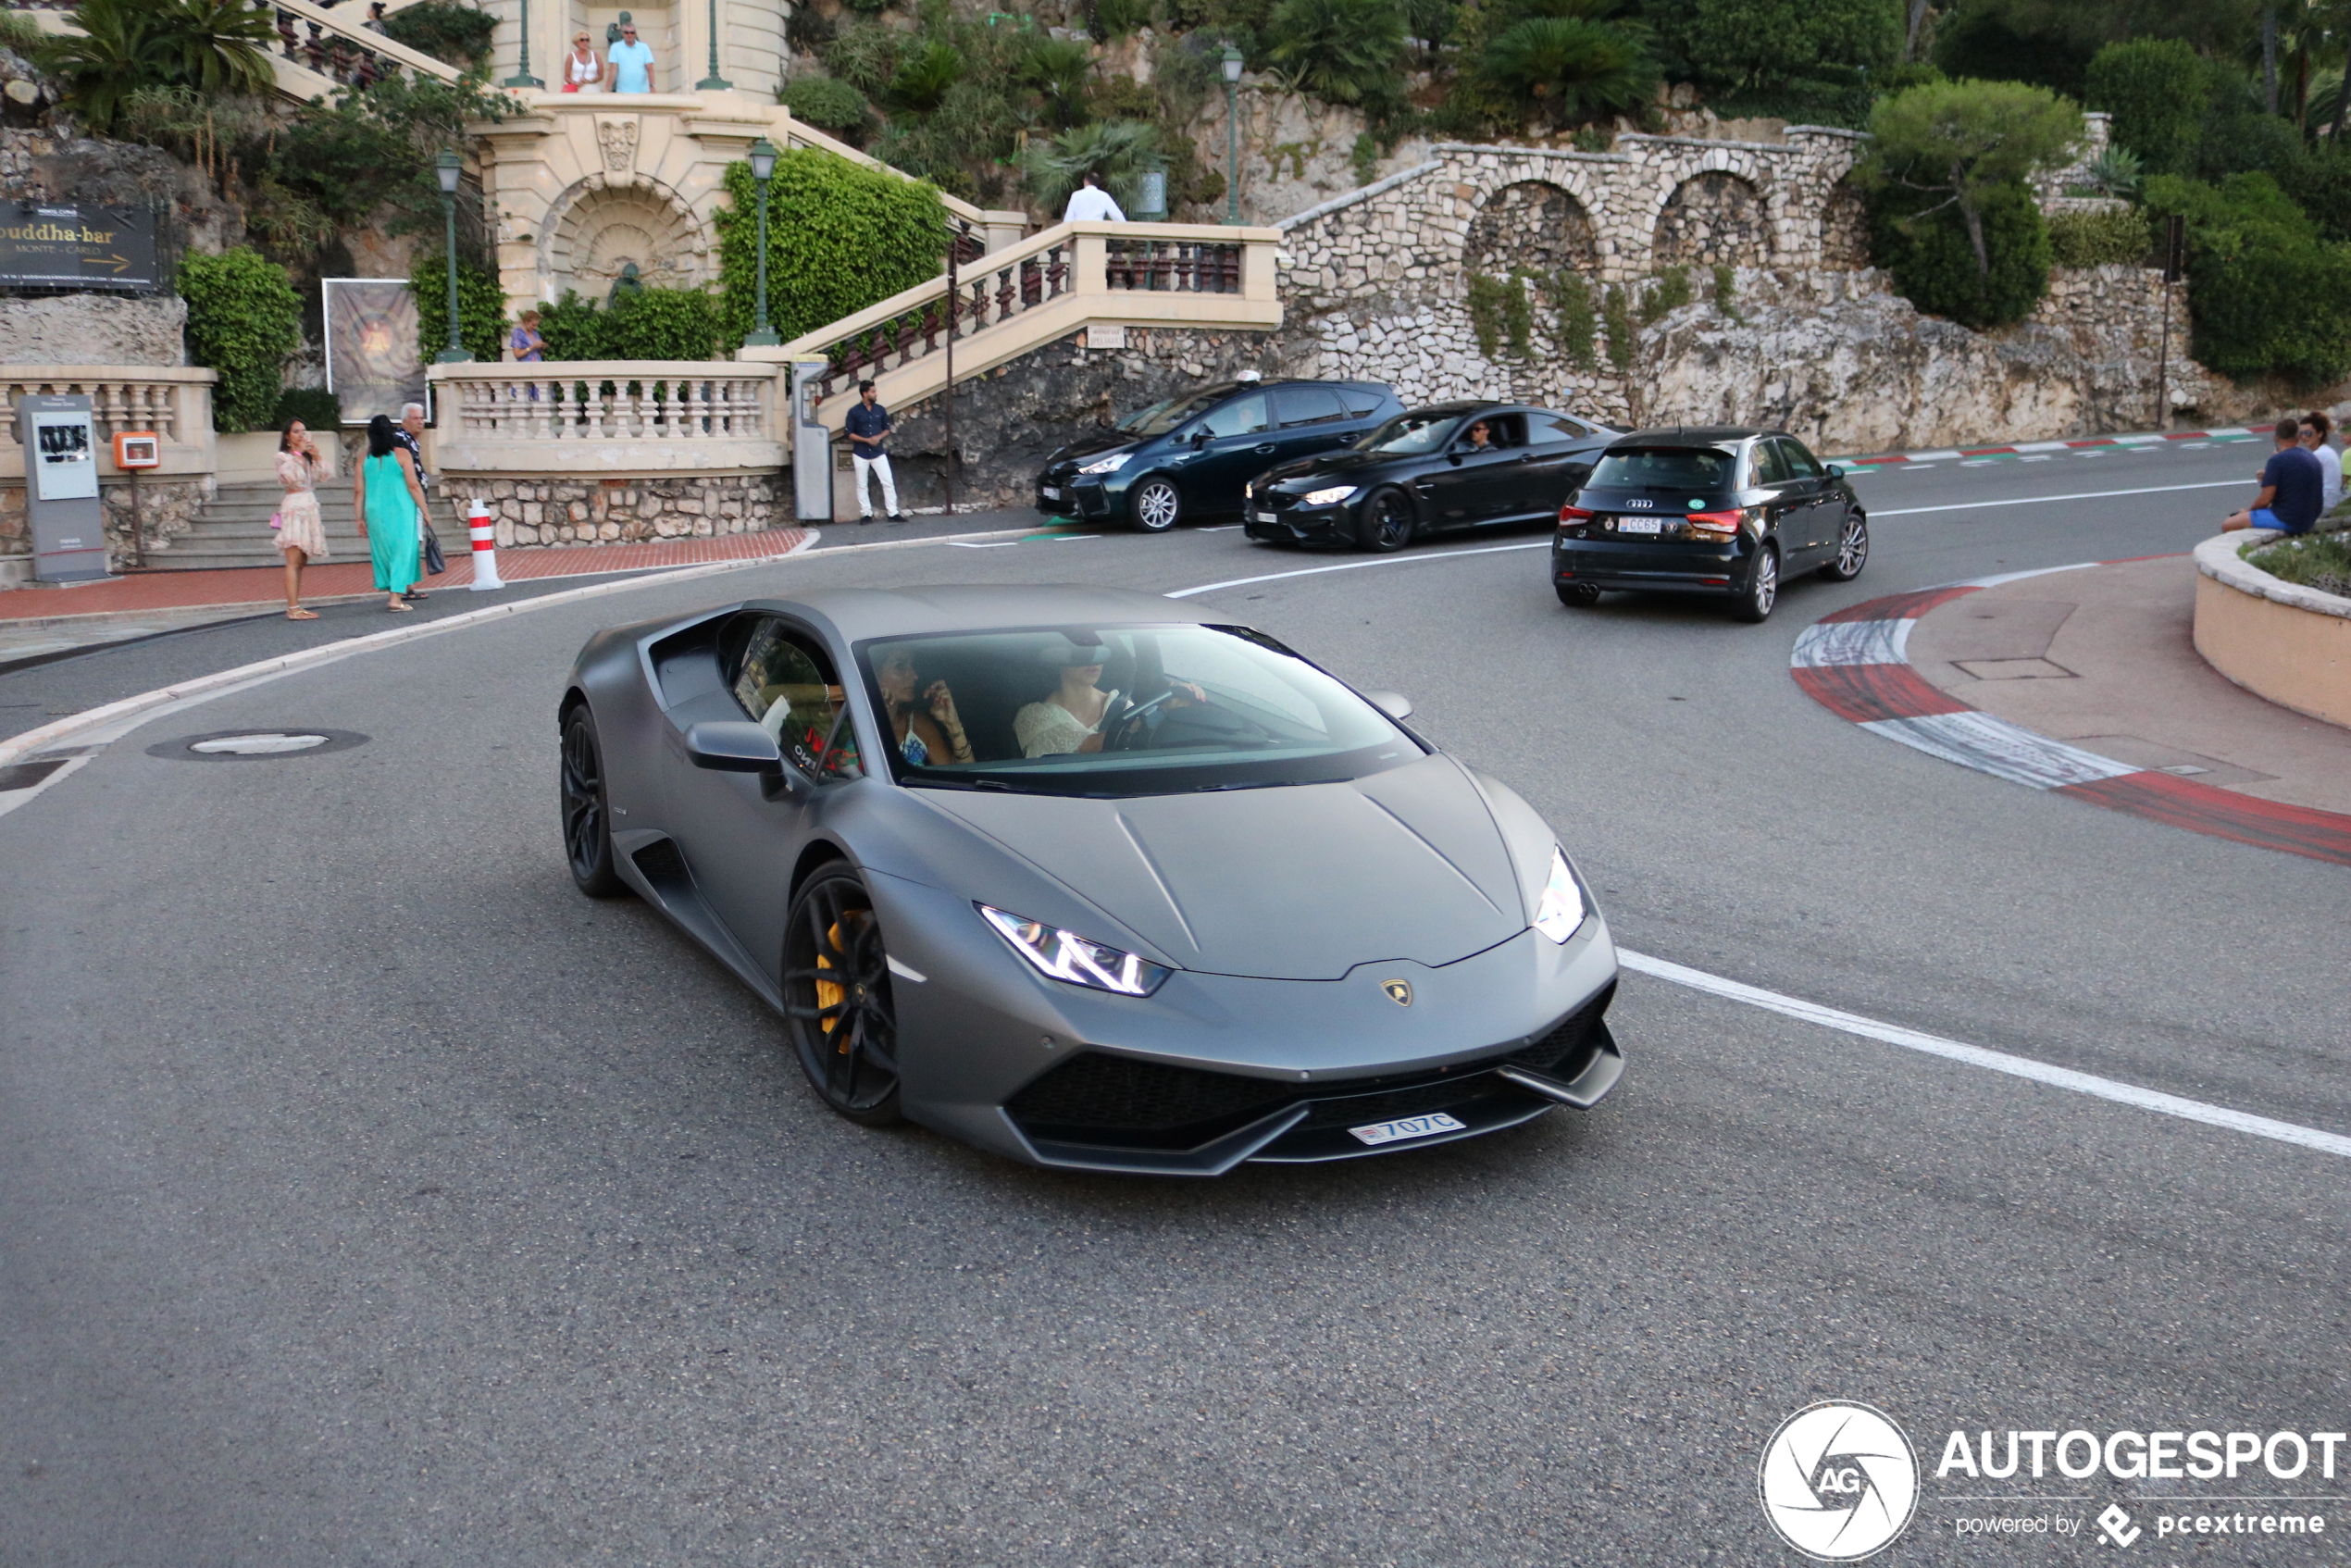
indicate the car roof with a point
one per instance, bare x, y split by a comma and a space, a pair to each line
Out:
857, 614
1693, 435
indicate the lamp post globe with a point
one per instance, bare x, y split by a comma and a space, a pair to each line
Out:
762, 165
1232, 134
447, 169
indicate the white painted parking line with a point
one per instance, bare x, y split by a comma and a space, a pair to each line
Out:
2080, 495
982, 545
1994, 1061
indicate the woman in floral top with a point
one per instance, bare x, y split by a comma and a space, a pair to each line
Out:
301, 534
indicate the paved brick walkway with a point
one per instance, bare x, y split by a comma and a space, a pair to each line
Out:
149, 591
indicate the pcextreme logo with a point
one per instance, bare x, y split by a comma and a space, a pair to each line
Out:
1838, 1481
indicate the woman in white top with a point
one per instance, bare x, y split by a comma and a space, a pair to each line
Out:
583, 71
2315, 428
1070, 717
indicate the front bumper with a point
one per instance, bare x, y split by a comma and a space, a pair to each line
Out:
1667, 565
1213, 1070
1298, 524
1093, 497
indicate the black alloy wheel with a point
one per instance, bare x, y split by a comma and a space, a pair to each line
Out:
1852, 549
837, 997
1387, 524
1577, 595
1155, 505
1761, 590
587, 817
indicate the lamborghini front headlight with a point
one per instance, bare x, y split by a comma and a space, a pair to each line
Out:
1066, 955
1560, 909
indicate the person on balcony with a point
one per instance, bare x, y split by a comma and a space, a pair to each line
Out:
1091, 203
631, 62
583, 71
867, 428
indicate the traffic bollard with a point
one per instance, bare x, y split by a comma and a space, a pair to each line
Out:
485, 549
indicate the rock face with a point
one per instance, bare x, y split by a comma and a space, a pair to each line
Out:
93, 329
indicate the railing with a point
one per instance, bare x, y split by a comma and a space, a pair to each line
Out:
1185, 265
613, 415
1006, 287
173, 402
343, 51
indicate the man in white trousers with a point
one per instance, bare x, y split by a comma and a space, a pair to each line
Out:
867, 428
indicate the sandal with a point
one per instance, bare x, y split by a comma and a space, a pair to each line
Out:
402, 609
302, 615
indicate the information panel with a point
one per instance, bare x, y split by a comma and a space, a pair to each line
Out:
81, 247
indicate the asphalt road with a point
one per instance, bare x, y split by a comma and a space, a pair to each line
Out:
372, 1198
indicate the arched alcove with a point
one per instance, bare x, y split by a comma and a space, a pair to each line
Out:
603, 231
1711, 218
1532, 225
1844, 228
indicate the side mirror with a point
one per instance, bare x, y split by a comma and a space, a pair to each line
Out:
1395, 704
733, 746
1836, 470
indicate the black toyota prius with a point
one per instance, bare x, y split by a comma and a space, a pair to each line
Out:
1449, 465
1714, 510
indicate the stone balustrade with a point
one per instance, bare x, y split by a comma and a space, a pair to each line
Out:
607, 416
173, 402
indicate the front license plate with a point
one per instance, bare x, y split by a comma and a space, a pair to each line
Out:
1267, 517
1640, 525
1411, 1126
1049, 493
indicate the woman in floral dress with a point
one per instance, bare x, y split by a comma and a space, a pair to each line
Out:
301, 534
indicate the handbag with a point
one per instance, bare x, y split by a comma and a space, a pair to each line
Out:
435, 563
276, 519
568, 87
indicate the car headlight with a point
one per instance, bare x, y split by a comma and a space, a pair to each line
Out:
1560, 909
1109, 465
1330, 497
1066, 955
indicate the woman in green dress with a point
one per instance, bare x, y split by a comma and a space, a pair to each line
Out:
390, 501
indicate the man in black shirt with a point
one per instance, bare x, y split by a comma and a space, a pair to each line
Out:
2292, 487
867, 428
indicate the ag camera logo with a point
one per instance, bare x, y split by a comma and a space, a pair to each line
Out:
1838, 1481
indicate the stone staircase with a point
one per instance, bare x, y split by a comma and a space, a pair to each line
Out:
233, 529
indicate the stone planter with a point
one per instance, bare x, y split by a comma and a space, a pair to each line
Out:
2277, 639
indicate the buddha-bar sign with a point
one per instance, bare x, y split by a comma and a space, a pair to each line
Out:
77, 247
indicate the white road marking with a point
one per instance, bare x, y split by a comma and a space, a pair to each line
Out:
2082, 495
972, 544
1356, 567
1994, 1060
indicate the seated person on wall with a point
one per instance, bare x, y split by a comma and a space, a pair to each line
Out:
2292, 487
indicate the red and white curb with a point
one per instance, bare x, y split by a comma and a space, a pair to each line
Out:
2031, 448
1855, 663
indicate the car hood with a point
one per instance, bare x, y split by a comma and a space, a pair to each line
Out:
1347, 464
1094, 443
1298, 883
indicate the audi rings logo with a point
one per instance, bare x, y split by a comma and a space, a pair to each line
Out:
1838, 1481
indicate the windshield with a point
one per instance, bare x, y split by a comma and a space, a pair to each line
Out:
1120, 711
1163, 416
1408, 434
1665, 468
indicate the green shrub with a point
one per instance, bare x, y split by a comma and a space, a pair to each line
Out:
1726, 293
2266, 293
662, 324
481, 309
1122, 97
1567, 68
1574, 319
316, 406
1770, 47
1932, 261
1499, 314
823, 103
1616, 320
2244, 139
2315, 560
244, 320
2156, 89
1669, 292
839, 237
2117, 235
1112, 20
573, 328
445, 29
1348, 52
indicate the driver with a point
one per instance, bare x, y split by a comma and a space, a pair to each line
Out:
925, 731
1480, 437
1069, 719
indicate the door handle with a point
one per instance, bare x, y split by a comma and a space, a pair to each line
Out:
1268, 447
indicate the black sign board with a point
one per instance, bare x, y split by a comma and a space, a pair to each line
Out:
78, 248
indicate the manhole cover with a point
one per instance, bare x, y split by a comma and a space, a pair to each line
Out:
248, 745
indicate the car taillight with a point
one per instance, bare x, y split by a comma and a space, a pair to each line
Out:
1574, 514
1715, 522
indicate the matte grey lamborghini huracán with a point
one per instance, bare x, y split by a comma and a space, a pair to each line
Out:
1089, 879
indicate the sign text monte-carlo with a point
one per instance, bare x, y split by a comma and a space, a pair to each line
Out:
78, 247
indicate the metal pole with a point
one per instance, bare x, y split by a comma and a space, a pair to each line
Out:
522, 76
762, 334
954, 310
714, 82
2174, 234
137, 529
1232, 152
455, 353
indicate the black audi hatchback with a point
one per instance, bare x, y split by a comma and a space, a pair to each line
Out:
1191, 455
1449, 466
1713, 510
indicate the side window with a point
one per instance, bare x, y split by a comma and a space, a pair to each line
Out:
1243, 416
1764, 465
1361, 402
1509, 430
1307, 405
1801, 463
1552, 429
783, 679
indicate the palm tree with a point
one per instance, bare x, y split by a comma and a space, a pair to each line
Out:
1340, 51
119, 51
1055, 69
1121, 151
1570, 68
218, 47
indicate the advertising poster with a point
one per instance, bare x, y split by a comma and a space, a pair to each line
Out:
78, 248
372, 363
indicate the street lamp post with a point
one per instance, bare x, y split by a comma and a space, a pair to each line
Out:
1232, 134
446, 169
522, 76
762, 165
714, 82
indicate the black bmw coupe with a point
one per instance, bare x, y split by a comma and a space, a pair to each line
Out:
1449, 465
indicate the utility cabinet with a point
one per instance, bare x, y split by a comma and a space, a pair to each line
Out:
61, 487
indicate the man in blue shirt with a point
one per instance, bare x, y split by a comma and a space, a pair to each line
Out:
632, 62
2292, 487
867, 428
